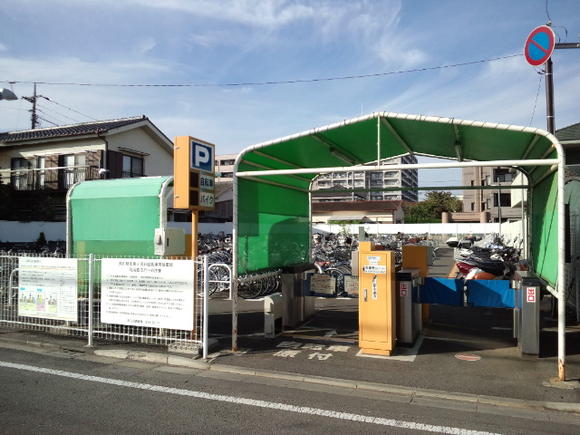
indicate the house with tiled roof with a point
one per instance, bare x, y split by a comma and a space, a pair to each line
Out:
569, 137
37, 167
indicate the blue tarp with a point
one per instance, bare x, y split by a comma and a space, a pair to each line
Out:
490, 293
444, 291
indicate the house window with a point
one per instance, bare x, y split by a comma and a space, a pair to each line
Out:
505, 200
472, 206
132, 166
502, 175
40, 178
73, 169
19, 175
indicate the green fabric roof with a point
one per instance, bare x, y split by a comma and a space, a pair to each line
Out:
273, 222
119, 188
430, 136
115, 217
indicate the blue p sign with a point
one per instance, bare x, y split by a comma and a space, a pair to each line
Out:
201, 156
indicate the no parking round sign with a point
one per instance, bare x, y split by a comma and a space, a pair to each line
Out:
539, 45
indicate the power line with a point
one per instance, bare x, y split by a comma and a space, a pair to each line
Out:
62, 115
51, 115
536, 99
548, 11
66, 107
266, 83
46, 120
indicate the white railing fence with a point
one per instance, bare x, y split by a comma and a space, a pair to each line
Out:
142, 300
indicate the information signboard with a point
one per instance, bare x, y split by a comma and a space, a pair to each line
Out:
324, 284
144, 292
193, 174
374, 268
351, 285
47, 288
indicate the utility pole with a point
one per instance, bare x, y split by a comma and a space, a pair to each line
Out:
550, 115
33, 116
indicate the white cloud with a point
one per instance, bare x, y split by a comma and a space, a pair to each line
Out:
145, 45
72, 69
97, 102
3, 47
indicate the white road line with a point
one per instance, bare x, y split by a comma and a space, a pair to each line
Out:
249, 402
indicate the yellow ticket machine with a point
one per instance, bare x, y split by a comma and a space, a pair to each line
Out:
377, 308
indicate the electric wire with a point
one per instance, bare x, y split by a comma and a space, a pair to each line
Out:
548, 11
266, 83
46, 120
536, 100
61, 115
51, 116
68, 108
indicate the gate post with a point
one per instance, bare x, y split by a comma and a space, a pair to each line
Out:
205, 278
90, 260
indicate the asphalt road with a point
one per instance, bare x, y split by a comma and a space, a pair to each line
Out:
47, 391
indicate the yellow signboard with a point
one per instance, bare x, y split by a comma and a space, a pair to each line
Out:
193, 179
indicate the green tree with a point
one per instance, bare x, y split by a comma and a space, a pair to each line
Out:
431, 208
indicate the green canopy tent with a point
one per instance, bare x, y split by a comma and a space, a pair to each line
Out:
272, 183
116, 217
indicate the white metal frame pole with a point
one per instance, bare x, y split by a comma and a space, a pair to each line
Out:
561, 267
323, 170
234, 275
91, 279
205, 306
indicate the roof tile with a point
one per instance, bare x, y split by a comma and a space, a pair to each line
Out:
572, 132
85, 128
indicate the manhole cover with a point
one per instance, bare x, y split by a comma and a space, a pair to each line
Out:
467, 357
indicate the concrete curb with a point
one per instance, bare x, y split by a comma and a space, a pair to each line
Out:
411, 392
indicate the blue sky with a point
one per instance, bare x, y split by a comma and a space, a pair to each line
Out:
179, 41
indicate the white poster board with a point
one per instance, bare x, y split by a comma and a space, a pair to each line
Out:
47, 288
143, 292
324, 284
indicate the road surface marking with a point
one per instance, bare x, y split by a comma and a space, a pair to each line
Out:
402, 354
468, 357
319, 356
249, 402
287, 353
289, 344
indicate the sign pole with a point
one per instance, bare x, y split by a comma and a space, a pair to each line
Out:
550, 116
194, 232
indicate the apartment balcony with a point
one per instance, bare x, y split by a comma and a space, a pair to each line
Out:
59, 178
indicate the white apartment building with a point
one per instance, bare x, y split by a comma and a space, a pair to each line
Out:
350, 181
379, 180
496, 202
224, 165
